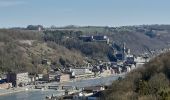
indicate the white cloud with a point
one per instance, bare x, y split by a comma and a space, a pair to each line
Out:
9, 3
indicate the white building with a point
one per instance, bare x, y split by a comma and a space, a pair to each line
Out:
80, 71
141, 60
18, 79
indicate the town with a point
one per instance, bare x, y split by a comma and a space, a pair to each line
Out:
84, 50
124, 63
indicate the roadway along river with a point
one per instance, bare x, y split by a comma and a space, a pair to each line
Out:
40, 95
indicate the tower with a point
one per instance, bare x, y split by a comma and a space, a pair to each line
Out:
39, 28
124, 51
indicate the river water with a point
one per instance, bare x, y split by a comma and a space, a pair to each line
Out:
40, 95
34, 95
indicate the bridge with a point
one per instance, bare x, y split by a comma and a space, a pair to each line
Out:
56, 87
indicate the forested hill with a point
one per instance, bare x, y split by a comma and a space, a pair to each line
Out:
24, 49
140, 38
151, 82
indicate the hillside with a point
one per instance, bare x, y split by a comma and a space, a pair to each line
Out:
151, 82
140, 39
23, 49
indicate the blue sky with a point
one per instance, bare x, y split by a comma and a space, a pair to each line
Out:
21, 13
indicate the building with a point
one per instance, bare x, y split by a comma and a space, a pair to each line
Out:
100, 37
86, 38
5, 85
35, 27
63, 77
18, 79
39, 77
53, 76
80, 71
141, 59
94, 38
33, 79
117, 69
126, 69
120, 56
56, 77
130, 60
49, 77
112, 71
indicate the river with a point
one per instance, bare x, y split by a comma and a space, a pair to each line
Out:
40, 95
29, 95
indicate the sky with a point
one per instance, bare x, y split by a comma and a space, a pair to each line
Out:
20, 13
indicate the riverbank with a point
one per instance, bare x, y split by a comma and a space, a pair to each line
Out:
38, 94
10, 91
31, 95
77, 83
16, 90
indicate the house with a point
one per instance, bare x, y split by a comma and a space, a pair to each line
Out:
100, 37
35, 27
5, 85
49, 77
112, 71
18, 79
63, 77
56, 76
80, 71
39, 77
130, 60
120, 56
126, 69
94, 38
86, 38
117, 69
141, 59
